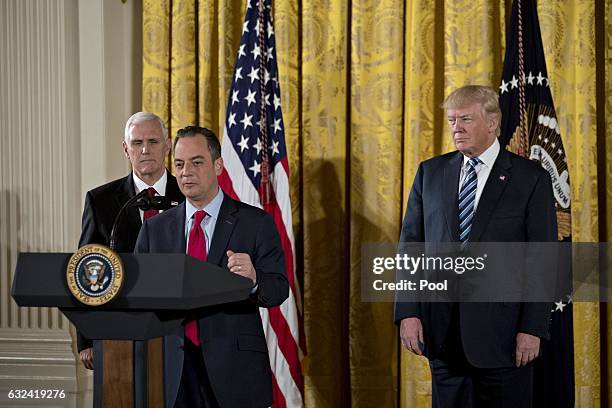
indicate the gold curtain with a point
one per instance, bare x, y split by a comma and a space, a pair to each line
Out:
361, 83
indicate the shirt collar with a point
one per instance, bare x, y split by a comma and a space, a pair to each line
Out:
211, 209
159, 186
488, 156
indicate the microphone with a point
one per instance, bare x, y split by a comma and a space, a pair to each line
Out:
144, 202
159, 203
128, 203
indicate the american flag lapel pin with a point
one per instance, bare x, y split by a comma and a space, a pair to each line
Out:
502, 177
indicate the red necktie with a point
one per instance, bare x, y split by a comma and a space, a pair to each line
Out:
197, 249
150, 212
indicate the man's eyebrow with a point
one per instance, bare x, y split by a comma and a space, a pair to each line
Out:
191, 158
467, 115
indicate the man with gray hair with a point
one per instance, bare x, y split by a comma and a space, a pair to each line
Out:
145, 145
480, 354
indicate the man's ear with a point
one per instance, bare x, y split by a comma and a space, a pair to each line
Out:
219, 166
493, 122
125, 149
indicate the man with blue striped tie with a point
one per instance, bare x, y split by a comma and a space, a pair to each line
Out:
480, 354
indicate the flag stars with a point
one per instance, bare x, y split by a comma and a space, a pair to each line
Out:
250, 98
238, 74
267, 99
270, 30
257, 29
255, 168
243, 143
546, 140
266, 77
514, 82
256, 52
559, 306
241, 52
245, 27
246, 121
258, 146
553, 145
235, 97
277, 126
254, 74
530, 78
560, 152
270, 54
504, 87
540, 78
276, 102
231, 119
274, 148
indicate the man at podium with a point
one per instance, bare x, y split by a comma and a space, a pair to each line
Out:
220, 356
145, 145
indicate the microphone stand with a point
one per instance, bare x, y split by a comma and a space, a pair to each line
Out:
113, 236
142, 201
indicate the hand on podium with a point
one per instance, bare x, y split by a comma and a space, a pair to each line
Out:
86, 356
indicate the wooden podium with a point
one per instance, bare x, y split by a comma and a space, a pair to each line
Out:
159, 290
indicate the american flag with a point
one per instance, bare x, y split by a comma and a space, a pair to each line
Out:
257, 172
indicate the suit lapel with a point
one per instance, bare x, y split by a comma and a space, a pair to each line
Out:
132, 219
223, 230
493, 190
177, 229
173, 193
450, 189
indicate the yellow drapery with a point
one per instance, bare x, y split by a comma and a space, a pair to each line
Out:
361, 83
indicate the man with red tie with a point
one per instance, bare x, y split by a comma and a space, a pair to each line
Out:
220, 356
145, 145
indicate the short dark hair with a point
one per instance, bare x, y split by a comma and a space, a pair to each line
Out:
191, 131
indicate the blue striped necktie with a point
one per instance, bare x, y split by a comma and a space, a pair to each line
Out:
467, 199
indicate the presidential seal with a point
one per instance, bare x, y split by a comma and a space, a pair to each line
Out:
94, 274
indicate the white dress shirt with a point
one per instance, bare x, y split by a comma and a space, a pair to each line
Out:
159, 186
208, 223
483, 169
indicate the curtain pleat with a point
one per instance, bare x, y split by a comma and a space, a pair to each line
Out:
361, 85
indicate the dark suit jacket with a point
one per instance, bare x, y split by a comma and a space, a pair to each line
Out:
102, 204
516, 205
233, 343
